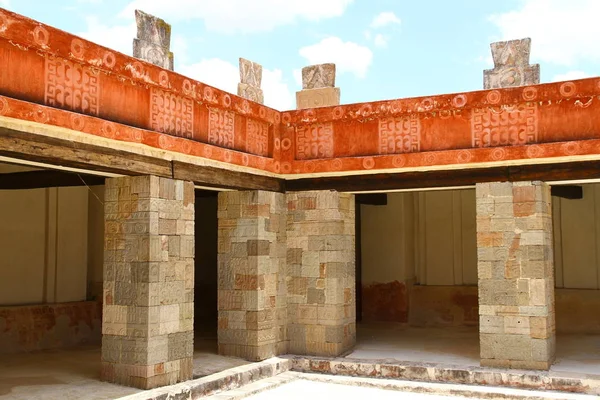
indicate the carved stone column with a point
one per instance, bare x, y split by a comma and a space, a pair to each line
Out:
318, 87
516, 275
250, 81
511, 65
153, 40
148, 300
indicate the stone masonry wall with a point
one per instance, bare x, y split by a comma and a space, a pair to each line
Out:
148, 281
251, 272
516, 279
320, 269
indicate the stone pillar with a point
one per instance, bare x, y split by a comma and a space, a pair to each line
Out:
318, 87
148, 299
251, 272
153, 40
321, 275
516, 277
511, 65
250, 81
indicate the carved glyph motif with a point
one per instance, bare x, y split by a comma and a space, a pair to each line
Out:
511, 53
71, 86
153, 40
172, 114
221, 128
318, 76
511, 65
314, 141
399, 134
257, 137
504, 126
250, 73
312, 98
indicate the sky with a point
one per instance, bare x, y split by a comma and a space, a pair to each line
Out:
383, 49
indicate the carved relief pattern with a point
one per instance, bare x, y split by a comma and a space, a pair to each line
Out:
257, 137
71, 86
221, 128
314, 141
504, 126
172, 114
399, 135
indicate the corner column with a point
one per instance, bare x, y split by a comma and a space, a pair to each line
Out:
148, 299
516, 275
251, 272
321, 275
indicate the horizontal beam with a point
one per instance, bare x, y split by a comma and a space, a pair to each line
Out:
449, 178
226, 179
47, 179
66, 153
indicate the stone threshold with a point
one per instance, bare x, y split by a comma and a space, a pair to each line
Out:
449, 374
229, 379
438, 389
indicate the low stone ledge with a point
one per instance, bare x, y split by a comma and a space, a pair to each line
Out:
445, 373
229, 379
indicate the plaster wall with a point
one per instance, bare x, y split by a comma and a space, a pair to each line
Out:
43, 242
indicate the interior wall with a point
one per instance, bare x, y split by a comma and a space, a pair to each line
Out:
577, 240
205, 267
95, 242
447, 238
444, 258
43, 242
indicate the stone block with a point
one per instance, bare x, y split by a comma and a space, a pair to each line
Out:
319, 97
251, 93
318, 76
250, 73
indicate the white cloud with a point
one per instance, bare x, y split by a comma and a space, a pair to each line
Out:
225, 76
562, 32
348, 56
381, 40
245, 16
570, 76
5, 3
117, 37
384, 19
276, 90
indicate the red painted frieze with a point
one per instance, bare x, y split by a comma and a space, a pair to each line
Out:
52, 77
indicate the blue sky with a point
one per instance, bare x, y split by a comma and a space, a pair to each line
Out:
383, 49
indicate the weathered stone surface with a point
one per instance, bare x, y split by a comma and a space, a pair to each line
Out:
251, 275
148, 281
318, 76
153, 40
429, 372
323, 97
250, 73
511, 65
320, 265
516, 277
251, 93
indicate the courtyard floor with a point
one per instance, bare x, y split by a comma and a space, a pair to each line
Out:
576, 353
74, 373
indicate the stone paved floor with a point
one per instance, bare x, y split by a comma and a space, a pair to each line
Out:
74, 374
575, 353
